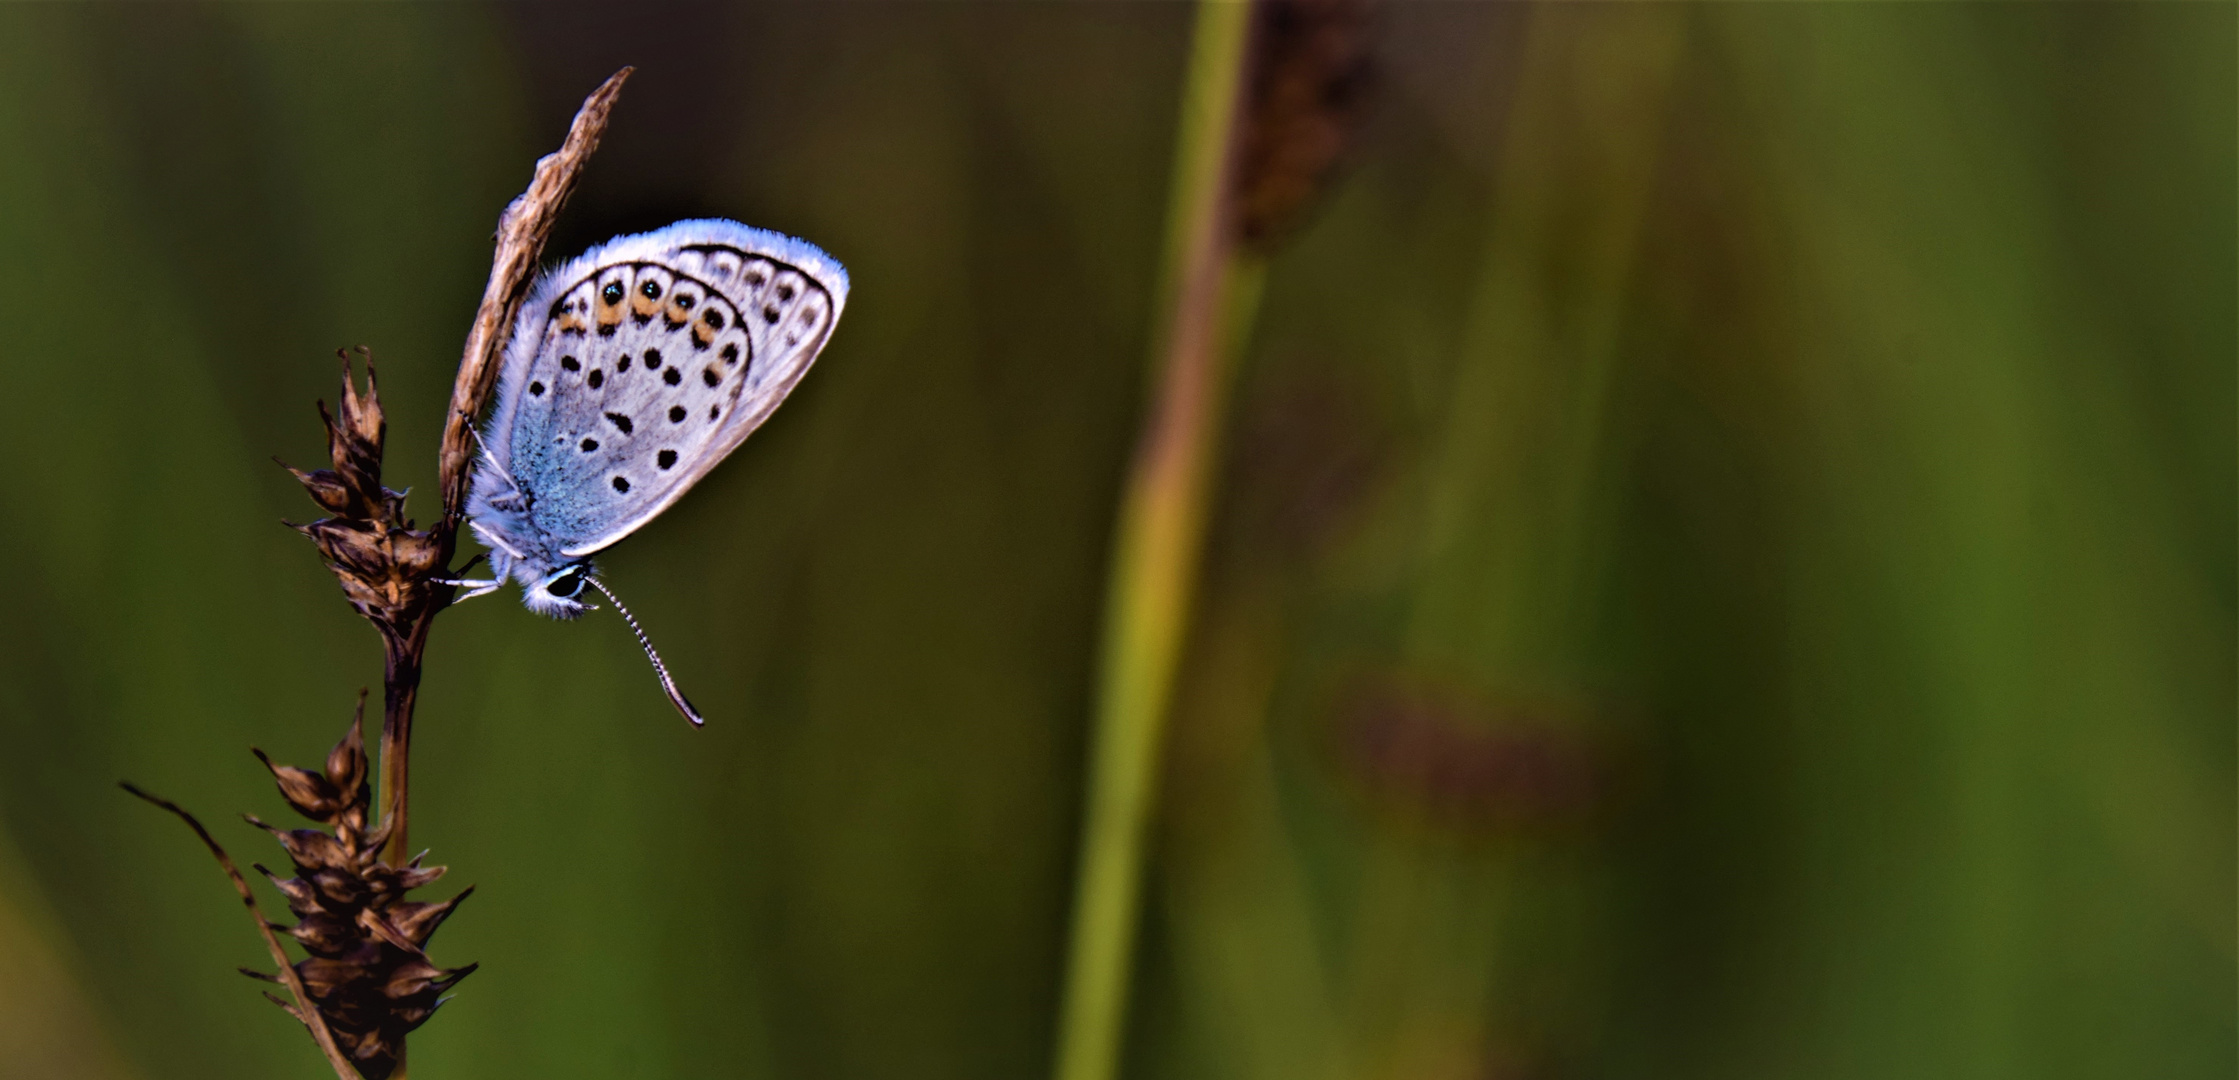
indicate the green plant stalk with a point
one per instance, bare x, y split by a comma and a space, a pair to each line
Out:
1210, 297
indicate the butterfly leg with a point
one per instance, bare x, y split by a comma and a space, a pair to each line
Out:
473, 588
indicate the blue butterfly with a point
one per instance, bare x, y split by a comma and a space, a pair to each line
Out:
632, 370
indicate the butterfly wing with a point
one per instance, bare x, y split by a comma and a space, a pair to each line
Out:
638, 367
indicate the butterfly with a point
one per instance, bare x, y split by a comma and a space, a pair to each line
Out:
634, 369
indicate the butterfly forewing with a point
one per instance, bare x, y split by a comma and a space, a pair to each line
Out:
647, 373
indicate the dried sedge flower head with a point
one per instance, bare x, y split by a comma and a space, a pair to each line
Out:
368, 973
384, 564
1309, 80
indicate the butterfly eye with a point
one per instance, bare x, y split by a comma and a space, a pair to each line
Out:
612, 294
566, 585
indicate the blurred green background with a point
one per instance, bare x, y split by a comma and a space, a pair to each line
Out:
1723, 564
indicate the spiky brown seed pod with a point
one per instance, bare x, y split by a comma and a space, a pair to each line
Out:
368, 973
1309, 79
385, 565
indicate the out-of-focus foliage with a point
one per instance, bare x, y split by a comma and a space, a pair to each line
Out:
1724, 562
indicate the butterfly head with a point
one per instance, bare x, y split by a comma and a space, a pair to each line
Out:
559, 594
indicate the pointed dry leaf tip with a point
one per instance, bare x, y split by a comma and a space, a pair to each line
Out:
354, 444
346, 767
324, 485
1309, 80
522, 229
362, 420
309, 793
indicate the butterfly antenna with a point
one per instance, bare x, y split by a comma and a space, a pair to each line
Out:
676, 696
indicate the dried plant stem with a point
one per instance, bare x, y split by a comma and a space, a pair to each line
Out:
302, 1009
400, 691
1211, 297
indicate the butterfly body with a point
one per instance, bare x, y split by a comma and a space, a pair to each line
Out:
632, 371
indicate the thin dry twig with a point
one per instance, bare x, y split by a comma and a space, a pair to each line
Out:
302, 1009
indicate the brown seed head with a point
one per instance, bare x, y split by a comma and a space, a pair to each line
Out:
368, 972
1309, 76
385, 566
